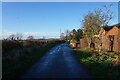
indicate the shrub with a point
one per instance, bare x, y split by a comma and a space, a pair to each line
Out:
101, 64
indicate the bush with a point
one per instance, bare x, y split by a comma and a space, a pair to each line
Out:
99, 64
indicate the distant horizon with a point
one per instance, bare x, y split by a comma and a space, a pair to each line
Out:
35, 37
47, 19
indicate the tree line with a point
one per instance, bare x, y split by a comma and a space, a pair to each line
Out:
18, 36
72, 35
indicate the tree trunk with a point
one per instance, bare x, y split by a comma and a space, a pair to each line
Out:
89, 42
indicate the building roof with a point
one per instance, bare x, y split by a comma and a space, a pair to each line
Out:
113, 31
117, 25
107, 28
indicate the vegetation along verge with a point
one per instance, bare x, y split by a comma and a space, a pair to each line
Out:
100, 64
19, 55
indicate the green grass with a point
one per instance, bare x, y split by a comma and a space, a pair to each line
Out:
13, 69
99, 65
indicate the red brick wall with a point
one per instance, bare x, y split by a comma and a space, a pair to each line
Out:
83, 43
115, 45
114, 31
119, 41
105, 42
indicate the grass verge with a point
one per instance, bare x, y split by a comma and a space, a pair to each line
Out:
100, 65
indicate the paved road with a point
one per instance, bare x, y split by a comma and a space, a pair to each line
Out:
59, 62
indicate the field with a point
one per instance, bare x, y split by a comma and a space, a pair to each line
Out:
100, 64
17, 56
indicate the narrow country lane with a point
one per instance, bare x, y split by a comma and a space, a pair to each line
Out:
59, 62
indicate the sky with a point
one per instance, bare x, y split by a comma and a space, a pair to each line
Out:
47, 19
60, 0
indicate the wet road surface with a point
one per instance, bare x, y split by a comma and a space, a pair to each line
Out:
59, 62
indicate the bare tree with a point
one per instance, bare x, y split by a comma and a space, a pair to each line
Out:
106, 14
30, 37
19, 36
11, 37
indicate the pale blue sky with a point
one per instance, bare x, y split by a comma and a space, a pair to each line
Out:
46, 19
60, 0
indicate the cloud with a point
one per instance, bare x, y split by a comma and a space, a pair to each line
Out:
6, 33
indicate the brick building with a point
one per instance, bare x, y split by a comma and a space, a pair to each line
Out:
74, 44
109, 36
